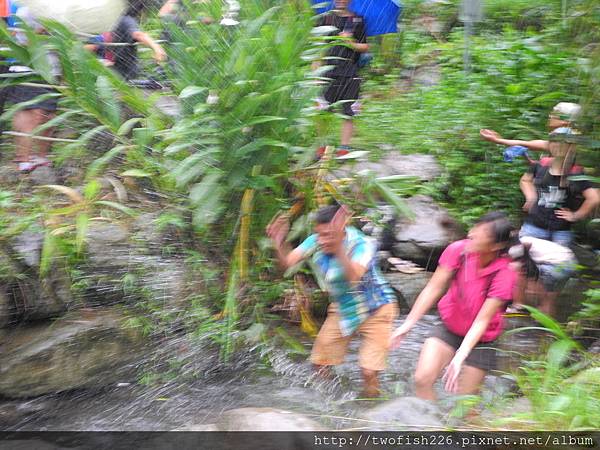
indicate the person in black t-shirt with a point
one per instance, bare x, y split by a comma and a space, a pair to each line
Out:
127, 31
553, 201
345, 82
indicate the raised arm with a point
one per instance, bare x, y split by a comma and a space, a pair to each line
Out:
492, 136
277, 232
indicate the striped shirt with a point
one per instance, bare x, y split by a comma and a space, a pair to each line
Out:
355, 301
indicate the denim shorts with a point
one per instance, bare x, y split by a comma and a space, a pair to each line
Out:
554, 277
562, 237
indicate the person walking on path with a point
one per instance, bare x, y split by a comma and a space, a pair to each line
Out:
344, 84
31, 153
475, 282
127, 31
362, 301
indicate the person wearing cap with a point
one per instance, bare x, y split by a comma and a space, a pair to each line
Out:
363, 302
553, 201
564, 114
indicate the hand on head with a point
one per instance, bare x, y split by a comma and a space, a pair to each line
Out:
278, 229
332, 237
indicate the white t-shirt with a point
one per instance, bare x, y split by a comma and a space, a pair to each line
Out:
548, 252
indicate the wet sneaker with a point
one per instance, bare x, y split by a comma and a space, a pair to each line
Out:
516, 310
320, 152
26, 166
39, 161
343, 150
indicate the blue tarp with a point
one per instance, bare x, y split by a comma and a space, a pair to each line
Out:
381, 16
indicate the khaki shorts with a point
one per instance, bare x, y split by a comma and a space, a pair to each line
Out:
330, 346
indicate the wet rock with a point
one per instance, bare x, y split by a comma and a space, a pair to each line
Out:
24, 296
86, 349
43, 175
405, 413
6, 309
169, 105
265, 419
13, 411
107, 245
424, 167
8, 176
408, 285
379, 223
199, 427
424, 238
28, 245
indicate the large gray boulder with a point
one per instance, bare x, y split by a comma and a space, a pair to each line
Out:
421, 166
423, 238
265, 419
408, 285
23, 294
405, 413
86, 349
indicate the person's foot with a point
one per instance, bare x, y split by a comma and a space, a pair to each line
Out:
343, 150
516, 310
25, 166
40, 161
370, 392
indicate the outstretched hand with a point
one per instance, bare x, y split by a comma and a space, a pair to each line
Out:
398, 335
278, 229
489, 135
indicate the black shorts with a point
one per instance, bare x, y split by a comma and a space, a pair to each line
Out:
20, 94
483, 355
344, 89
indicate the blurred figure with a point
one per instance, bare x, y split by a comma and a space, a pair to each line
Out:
475, 282
552, 201
563, 115
362, 301
545, 268
345, 82
127, 31
31, 153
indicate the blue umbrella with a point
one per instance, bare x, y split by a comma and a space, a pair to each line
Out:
381, 16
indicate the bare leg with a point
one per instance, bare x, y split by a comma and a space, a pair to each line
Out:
371, 383
323, 371
548, 303
519, 297
470, 380
347, 130
435, 355
25, 122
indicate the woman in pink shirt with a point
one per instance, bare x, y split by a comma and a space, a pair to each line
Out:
475, 283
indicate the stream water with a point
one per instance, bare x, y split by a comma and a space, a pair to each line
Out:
256, 377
